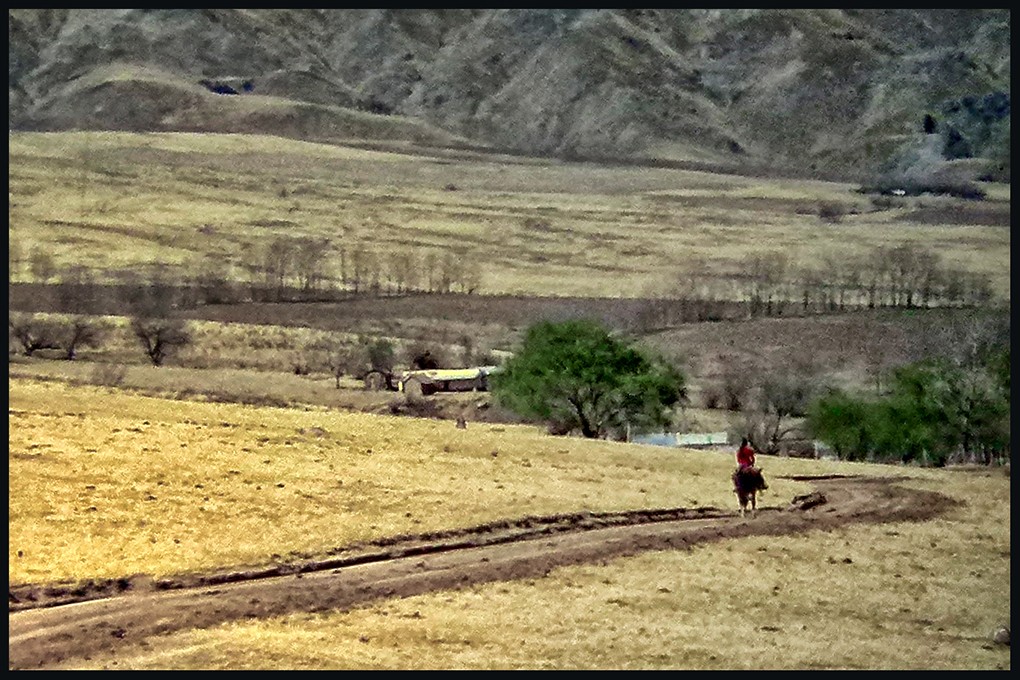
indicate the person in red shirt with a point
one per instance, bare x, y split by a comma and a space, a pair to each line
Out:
745, 459
745, 454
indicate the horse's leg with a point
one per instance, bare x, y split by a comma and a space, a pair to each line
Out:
754, 504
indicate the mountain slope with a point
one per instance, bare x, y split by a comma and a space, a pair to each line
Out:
832, 90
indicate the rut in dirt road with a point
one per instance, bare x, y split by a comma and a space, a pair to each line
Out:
43, 631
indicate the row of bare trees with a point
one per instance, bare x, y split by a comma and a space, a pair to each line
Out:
285, 267
898, 276
772, 285
152, 322
157, 335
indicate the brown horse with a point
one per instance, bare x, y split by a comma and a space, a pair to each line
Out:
748, 482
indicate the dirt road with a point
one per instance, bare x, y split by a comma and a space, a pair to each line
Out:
48, 625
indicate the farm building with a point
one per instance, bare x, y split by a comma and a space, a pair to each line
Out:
446, 380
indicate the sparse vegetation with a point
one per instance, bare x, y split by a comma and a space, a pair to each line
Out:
831, 212
108, 375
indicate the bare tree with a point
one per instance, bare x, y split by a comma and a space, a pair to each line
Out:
471, 276
33, 332
932, 285
364, 269
309, 262
395, 263
340, 361
733, 383
810, 284
779, 397
954, 286
373, 272
160, 336
430, 271
903, 263
451, 270
213, 280
414, 272
152, 323
81, 331
766, 272
277, 263
874, 272
926, 264
979, 289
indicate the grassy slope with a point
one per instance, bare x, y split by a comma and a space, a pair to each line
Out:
912, 596
895, 596
356, 480
109, 200
119, 199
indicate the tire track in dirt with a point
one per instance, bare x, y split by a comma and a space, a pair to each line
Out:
52, 624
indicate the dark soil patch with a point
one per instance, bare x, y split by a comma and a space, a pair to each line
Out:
995, 215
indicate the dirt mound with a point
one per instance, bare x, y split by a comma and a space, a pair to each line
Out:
133, 609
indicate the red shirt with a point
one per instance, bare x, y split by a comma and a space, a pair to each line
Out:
745, 456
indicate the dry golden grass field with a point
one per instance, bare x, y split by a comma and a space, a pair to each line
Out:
122, 200
107, 484
229, 457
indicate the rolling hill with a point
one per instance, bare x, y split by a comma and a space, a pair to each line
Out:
832, 92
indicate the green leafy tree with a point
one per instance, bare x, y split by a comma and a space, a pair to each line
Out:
575, 375
380, 354
842, 422
936, 411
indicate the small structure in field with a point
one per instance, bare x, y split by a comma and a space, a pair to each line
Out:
431, 381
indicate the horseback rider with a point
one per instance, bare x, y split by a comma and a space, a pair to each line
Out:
745, 459
745, 454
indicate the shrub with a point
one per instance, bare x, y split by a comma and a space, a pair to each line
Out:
109, 375
831, 212
936, 412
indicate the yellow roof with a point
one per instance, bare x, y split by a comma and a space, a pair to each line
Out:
446, 374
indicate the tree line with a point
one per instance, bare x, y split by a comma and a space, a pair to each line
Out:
937, 411
282, 269
577, 376
901, 276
